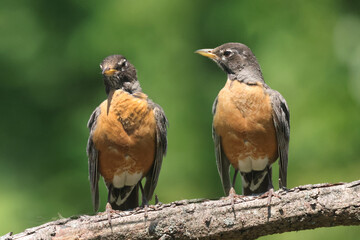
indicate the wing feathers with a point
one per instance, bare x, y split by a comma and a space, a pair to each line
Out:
281, 118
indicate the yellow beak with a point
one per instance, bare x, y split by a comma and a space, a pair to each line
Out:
207, 53
109, 72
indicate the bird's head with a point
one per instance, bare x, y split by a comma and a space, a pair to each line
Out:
117, 71
231, 57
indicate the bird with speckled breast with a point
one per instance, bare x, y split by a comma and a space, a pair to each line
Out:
251, 124
128, 138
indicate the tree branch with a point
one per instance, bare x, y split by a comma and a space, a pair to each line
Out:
304, 207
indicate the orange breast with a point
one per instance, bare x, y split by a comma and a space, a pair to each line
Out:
125, 138
243, 119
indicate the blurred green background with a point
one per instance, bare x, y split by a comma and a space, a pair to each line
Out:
50, 83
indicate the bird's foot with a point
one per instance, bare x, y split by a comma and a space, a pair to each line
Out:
109, 211
232, 196
146, 211
145, 206
269, 194
144, 202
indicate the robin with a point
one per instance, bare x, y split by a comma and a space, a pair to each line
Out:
251, 125
127, 139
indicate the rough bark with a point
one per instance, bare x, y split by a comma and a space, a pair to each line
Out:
304, 207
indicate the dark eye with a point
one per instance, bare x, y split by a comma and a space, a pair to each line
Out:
227, 53
122, 63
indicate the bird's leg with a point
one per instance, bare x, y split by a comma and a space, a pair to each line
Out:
232, 193
109, 211
270, 193
144, 202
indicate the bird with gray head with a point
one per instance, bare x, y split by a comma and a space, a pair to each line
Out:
127, 139
251, 125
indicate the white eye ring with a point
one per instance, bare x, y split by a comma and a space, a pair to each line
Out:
227, 53
123, 63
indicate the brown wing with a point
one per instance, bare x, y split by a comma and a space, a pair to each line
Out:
281, 118
93, 154
160, 150
222, 162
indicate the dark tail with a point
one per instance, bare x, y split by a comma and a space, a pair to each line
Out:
257, 182
123, 198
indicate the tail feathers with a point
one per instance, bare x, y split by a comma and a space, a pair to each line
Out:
123, 198
256, 182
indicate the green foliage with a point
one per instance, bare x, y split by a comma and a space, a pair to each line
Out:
51, 82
